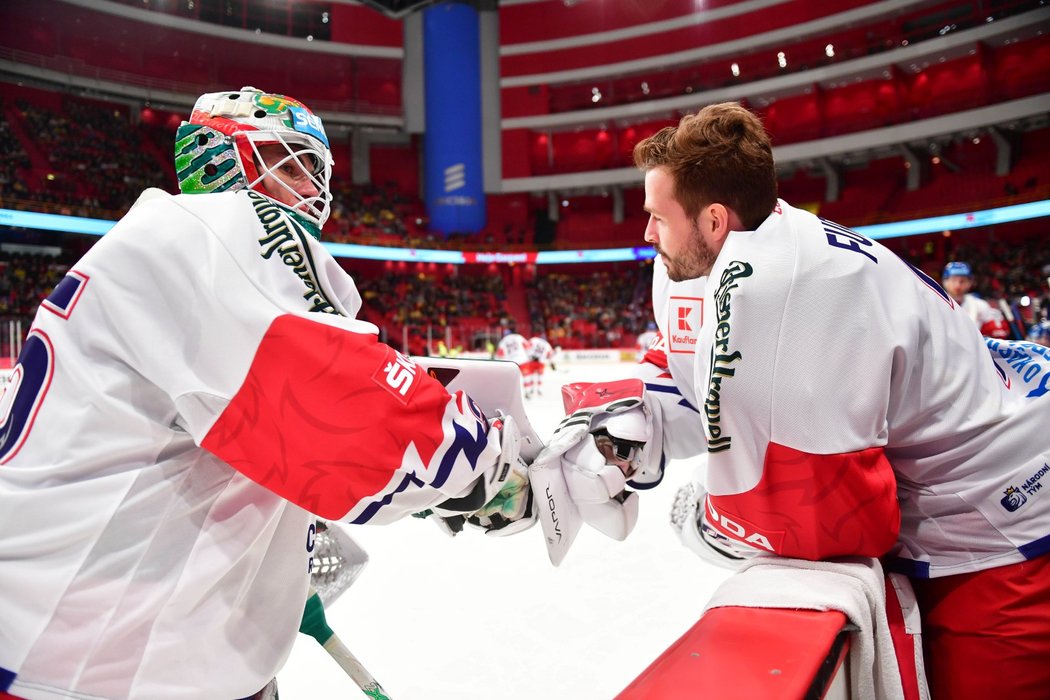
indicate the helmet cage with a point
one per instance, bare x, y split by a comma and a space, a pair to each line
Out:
301, 162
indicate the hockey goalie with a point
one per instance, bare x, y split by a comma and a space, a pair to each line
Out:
190, 397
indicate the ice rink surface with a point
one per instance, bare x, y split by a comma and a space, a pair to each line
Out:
476, 617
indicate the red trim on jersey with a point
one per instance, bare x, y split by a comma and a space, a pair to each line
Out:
903, 643
814, 507
656, 357
7, 696
325, 415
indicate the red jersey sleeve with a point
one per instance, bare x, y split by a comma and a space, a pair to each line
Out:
347, 427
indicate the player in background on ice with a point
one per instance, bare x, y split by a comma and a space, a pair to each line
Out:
645, 340
847, 407
541, 354
957, 280
190, 395
515, 348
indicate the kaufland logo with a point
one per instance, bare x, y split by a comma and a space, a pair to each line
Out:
685, 317
455, 177
683, 320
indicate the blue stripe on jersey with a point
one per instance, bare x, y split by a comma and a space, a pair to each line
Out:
470, 445
1036, 548
65, 294
64, 291
688, 405
645, 487
931, 283
373, 508
6, 679
908, 567
664, 388
1002, 373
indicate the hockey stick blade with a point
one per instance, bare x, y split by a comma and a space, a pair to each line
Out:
349, 663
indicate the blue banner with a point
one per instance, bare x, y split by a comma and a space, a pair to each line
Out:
452, 173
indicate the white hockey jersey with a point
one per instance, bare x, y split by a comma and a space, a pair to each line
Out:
540, 350
851, 407
192, 390
513, 347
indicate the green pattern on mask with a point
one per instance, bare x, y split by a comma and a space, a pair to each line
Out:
198, 147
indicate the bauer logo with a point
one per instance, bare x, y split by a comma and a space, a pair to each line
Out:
685, 316
397, 374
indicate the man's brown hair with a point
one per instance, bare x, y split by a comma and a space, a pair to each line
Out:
720, 154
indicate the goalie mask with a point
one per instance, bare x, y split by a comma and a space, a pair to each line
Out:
268, 143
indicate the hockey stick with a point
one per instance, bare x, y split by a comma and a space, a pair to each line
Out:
315, 625
1012, 322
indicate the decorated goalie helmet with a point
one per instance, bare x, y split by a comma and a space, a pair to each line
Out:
250, 139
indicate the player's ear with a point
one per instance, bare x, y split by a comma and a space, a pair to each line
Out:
720, 221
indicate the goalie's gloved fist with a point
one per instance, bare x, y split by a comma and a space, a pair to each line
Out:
500, 502
598, 486
690, 519
606, 443
511, 510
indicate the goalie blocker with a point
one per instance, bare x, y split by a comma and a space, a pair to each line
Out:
504, 504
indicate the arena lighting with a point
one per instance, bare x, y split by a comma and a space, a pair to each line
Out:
13, 218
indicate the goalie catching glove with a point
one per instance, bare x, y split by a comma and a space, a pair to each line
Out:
500, 502
609, 440
690, 520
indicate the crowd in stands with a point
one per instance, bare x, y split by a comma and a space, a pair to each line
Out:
94, 162
13, 160
426, 304
600, 309
25, 279
90, 160
593, 309
377, 215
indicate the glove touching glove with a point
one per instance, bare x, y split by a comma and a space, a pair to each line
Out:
500, 502
607, 439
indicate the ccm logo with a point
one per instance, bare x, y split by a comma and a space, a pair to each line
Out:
398, 376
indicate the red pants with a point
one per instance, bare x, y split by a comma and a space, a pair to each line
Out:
987, 634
